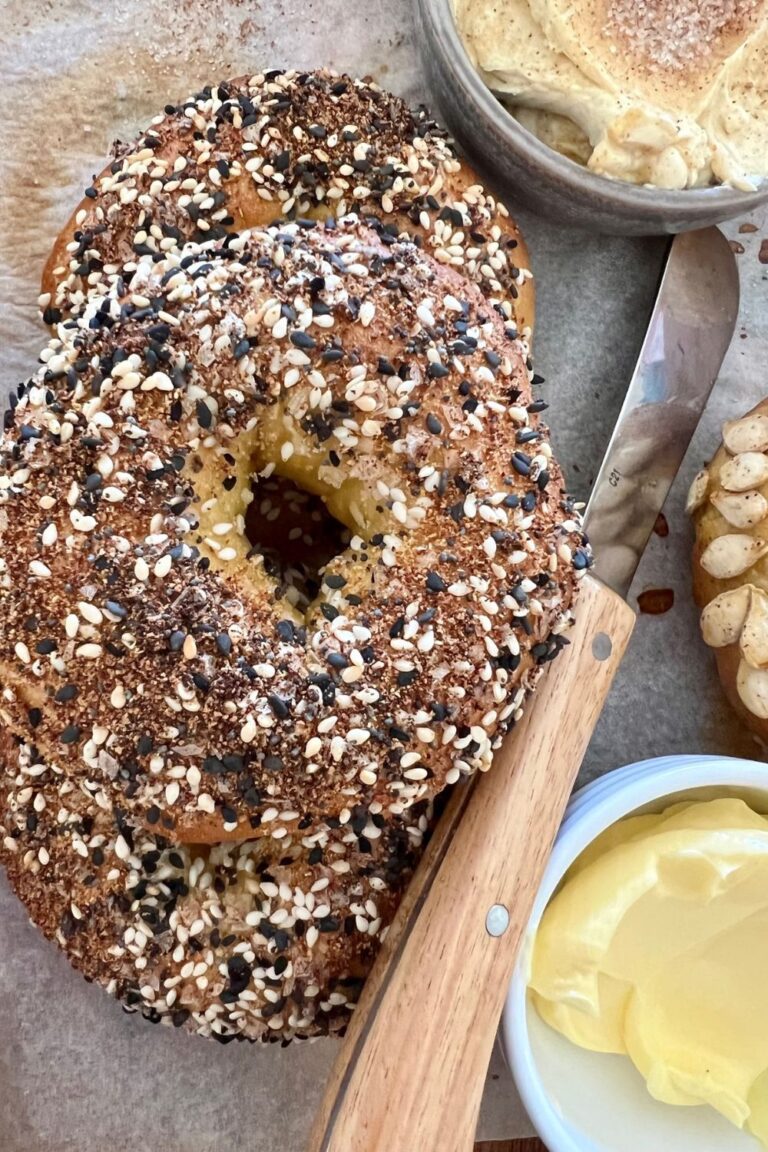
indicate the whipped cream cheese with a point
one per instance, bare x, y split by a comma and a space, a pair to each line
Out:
670, 93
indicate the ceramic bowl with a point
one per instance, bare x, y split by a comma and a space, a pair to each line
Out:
539, 177
582, 1101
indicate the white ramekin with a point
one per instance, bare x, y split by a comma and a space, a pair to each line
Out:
583, 1101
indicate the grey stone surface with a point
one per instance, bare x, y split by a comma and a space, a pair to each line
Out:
75, 1072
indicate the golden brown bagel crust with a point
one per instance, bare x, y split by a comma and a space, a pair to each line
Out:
245, 152
729, 505
136, 648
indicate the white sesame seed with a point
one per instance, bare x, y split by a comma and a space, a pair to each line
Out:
163, 566
89, 651
415, 774
117, 698
122, 851
90, 612
23, 652
366, 313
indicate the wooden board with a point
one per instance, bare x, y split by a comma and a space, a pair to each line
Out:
529, 1145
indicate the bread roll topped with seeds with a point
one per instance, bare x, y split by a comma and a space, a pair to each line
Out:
220, 748
729, 504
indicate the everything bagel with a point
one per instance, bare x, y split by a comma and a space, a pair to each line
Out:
249, 151
143, 642
219, 753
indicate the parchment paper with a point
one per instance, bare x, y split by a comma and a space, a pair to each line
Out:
75, 1072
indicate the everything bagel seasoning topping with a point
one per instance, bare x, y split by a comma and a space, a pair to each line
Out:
432, 531
283, 548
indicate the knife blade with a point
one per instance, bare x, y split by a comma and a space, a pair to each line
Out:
412, 1069
691, 326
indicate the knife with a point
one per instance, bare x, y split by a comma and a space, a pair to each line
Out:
411, 1071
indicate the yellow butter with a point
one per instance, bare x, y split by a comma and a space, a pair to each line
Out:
656, 946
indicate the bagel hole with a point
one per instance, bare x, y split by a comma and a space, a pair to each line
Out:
295, 533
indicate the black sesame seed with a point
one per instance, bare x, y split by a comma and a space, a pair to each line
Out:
581, 559
144, 744
521, 463
433, 425
334, 580
45, 647
176, 641
406, 678
303, 340
437, 371
435, 583
337, 660
70, 735
278, 705
65, 694
116, 609
224, 643
204, 414
229, 815
397, 627
286, 631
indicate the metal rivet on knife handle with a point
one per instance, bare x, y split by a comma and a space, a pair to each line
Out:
497, 920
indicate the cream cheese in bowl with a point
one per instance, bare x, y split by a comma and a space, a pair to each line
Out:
667, 93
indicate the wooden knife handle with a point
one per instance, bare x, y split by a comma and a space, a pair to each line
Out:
410, 1074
